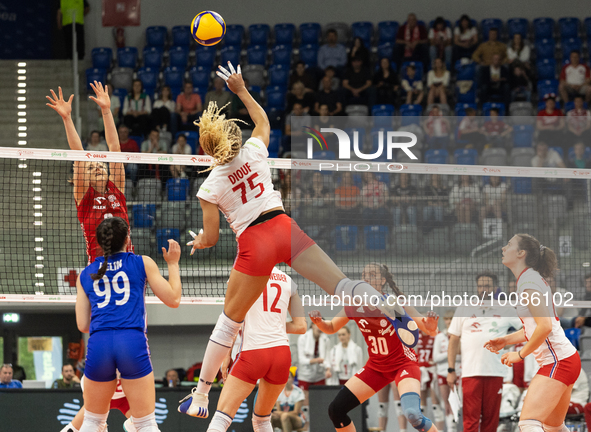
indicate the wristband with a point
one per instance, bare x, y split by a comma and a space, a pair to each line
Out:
519, 354
450, 370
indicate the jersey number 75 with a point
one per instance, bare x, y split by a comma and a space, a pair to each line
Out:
242, 187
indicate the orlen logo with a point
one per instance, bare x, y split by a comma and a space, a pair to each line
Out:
297, 163
96, 156
199, 159
491, 170
345, 143
582, 173
25, 153
133, 157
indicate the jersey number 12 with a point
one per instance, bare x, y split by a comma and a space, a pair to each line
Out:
242, 187
274, 307
106, 293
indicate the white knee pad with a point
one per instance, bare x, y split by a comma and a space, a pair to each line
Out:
225, 330
220, 422
398, 408
438, 414
530, 426
561, 428
383, 409
261, 424
94, 422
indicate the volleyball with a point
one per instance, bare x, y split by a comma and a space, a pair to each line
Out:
208, 28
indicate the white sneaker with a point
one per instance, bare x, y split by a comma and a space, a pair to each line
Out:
198, 404
128, 426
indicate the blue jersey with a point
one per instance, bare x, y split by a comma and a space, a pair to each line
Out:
118, 299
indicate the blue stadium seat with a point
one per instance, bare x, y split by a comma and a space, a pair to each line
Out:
363, 30
163, 235
102, 58
278, 75
127, 57
487, 24
570, 45
309, 54
192, 139
95, 74
466, 156
179, 57
259, 34
174, 77
468, 97
149, 78
385, 49
234, 35
156, 36
546, 68
275, 141
200, 76
545, 48
387, 31
276, 98
418, 66
284, 34
523, 135
376, 237
543, 28
201, 91
587, 26
152, 57
489, 105
282, 55
382, 110
346, 238
205, 56
310, 33
230, 54
143, 215
324, 155
465, 72
436, 156
181, 36
521, 185
120, 93
518, 25
460, 108
256, 55
410, 114
547, 86
568, 27
177, 189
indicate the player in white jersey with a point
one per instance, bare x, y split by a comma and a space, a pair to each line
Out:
549, 393
264, 355
240, 185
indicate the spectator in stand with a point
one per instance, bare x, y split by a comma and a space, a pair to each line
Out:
469, 130
438, 83
154, 144
465, 39
386, 83
136, 109
547, 158
288, 409
585, 319
403, 197
495, 82
358, 49
6, 380
327, 96
486, 50
332, 53
181, 147
299, 73
115, 108
411, 42
188, 107
579, 160
494, 199
374, 198
219, 95
578, 123
575, 78
335, 83
294, 126
346, 200
344, 359
518, 52
413, 86
239, 111
496, 131
95, 143
550, 122
316, 200
519, 84
440, 38
163, 111
128, 145
68, 380
437, 129
579, 395
290, 195
172, 378
356, 82
464, 198
434, 208
577, 190
299, 95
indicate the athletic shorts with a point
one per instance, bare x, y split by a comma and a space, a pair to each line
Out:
270, 364
442, 380
121, 404
109, 350
566, 371
377, 380
263, 246
305, 385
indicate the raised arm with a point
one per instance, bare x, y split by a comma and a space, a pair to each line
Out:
210, 234
169, 291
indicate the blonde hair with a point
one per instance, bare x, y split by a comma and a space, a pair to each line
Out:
220, 138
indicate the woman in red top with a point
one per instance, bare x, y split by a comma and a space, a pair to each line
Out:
98, 195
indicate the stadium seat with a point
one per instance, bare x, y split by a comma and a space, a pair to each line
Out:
230, 54
346, 238
436, 156
587, 28
568, 27
342, 29
181, 36
284, 34
278, 75
192, 139
407, 241
258, 34
468, 97
487, 24
518, 25
310, 33
460, 108
521, 108
350, 131
173, 215
543, 28
570, 45
275, 140
149, 78
144, 215
122, 78
465, 72
436, 242
523, 136
546, 68
309, 55
486, 107
386, 49
282, 55
387, 31
234, 36
120, 93
410, 114
174, 77
417, 65
127, 57
141, 238
156, 36
200, 76
149, 189
522, 156
545, 48
205, 56
587, 154
162, 237
465, 238
95, 74
466, 156
276, 97
521, 185
558, 150
102, 58
494, 157
382, 115
179, 57
153, 57
376, 237
546, 87
177, 189
256, 55
363, 30
255, 74
358, 116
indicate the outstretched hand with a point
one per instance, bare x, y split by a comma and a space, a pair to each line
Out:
232, 77
102, 98
315, 317
430, 322
495, 345
59, 105
173, 255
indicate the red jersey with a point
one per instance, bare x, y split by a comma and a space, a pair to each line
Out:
424, 350
95, 207
386, 352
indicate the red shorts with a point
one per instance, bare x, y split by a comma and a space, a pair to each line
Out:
378, 380
566, 371
270, 364
575, 408
442, 380
262, 247
518, 374
305, 385
121, 404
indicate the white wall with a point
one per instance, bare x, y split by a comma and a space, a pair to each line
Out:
181, 12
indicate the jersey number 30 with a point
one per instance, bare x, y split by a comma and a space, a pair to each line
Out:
380, 345
119, 279
242, 187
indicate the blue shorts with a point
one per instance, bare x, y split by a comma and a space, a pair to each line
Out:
125, 350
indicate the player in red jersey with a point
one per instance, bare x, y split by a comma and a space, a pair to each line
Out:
424, 350
98, 195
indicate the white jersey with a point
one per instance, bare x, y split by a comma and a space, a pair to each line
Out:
243, 188
264, 324
345, 362
440, 345
556, 346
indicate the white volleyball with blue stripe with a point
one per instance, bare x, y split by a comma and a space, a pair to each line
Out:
208, 28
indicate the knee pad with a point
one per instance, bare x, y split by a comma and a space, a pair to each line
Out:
530, 426
225, 330
411, 406
438, 414
383, 409
94, 421
261, 424
561, 428
344, 402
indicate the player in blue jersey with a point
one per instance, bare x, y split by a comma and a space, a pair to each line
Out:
111, 306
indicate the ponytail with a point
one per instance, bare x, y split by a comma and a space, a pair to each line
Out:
385, 273
538, 257
110, 234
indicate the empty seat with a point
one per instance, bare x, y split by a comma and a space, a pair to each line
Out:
234, 35
275, 141
181, 36
543, 28
230, 54
149, 189
122, 78
174, 77
489, 23
177, 189
465, 238
547, 87
570, 45
278, 75
346, 238
522, 156
309, 54
386, 49
149, 79
363, 30
200, 76
276, 98
127, 57
156, 36
356, 110
523, 136
342, 30
324, 155
522, 185
545, 48
204, 56
376, 237
568, 27
518, 26
284, 34
521, 108
546, 68
387, 31
410, 114
144, 215
436, 156
162, 237
494, 157
95, 74
153, 57
282, 55
102, 58
173, 215
310, 33
466, 156
179, 56
258, 34
465, 72
256, 54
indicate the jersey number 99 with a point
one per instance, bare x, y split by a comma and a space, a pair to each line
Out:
119, 278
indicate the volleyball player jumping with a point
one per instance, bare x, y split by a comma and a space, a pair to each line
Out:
240, 186
111, 306
548, 396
